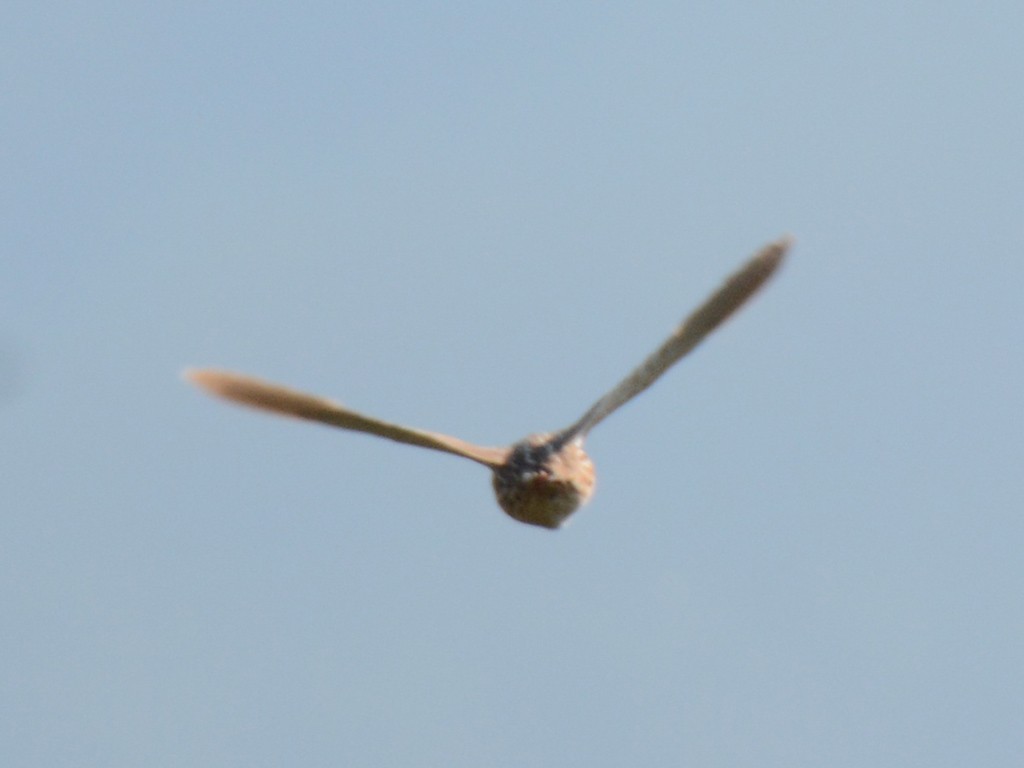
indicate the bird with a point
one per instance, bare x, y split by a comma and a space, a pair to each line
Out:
544, 478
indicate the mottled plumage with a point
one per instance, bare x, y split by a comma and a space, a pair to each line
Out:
544, 478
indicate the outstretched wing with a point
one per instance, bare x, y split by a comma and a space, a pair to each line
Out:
712, 313
289, 402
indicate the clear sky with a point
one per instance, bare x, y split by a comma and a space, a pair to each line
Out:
805, 546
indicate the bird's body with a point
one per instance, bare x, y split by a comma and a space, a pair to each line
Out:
544, 478
542, 482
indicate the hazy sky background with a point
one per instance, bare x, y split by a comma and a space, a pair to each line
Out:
805, 547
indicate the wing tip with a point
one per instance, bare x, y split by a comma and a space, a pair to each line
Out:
766, 262
775, 252
215, 382
204, 378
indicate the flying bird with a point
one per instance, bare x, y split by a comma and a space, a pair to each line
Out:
545, 477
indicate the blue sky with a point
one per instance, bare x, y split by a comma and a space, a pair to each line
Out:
805, 544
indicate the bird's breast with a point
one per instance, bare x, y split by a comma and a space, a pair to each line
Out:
539, 485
